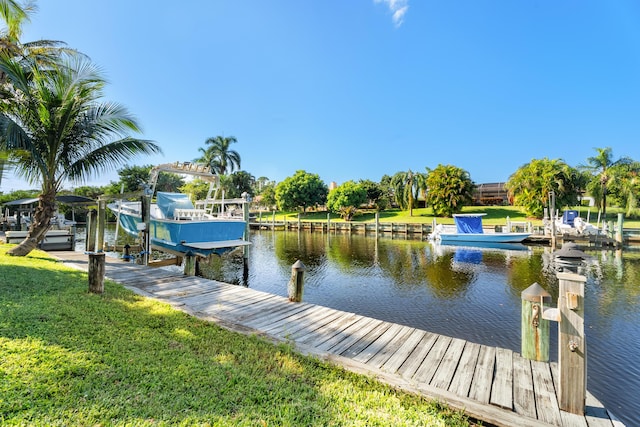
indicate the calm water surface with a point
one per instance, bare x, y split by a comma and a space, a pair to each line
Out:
465, 293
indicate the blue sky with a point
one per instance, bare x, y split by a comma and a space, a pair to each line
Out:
355, 89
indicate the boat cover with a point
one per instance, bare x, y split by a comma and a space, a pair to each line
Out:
169, 202
468, 224
568, 217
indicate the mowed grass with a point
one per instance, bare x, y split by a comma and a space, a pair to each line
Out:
495, 215
68, 357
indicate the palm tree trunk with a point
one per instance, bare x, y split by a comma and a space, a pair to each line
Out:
40, 225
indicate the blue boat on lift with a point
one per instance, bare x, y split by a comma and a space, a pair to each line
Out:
178, 226
468, 229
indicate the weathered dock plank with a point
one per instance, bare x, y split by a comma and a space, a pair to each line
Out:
447, 368
326, 328
366, 341
502, 389
381, 344
415, 359
348, 336
427, 369
400, 356
461, 382
523, 396
545, 394
483, 375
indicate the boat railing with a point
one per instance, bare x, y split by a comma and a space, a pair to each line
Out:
190, 214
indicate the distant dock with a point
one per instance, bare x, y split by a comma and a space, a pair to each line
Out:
491, 384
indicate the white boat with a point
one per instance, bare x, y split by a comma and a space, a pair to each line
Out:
571, 223
468, 229
54, 240
177, 225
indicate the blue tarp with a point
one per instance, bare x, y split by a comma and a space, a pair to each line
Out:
169, 202
468, 224
568, 217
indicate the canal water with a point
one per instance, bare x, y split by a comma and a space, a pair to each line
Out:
462, 292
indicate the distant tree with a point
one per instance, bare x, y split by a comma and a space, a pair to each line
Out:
388, 197
89, 191
302, 190
219, 156
268, 196
407, 187
261, 183
374, 192
17, 195
134, 177
532, 183
450, 189
237, 183
346, 198
602, 167
624, 185
197, 189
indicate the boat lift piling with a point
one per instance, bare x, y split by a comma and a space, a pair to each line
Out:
145, 200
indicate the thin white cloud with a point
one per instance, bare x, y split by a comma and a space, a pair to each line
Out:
398, 9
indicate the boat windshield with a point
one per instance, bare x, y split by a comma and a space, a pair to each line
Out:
169, 202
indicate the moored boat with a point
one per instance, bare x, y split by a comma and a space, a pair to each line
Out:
468, 229
177, 225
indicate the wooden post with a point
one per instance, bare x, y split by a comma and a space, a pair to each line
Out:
299, 221
102, 206
245, 249
377, 223
535, 329
619, 227
90, 238
296, 283
328, 222
190, 261
146, 214
96, 272
572, 346
273, 221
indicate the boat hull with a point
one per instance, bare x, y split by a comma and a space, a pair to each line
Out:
200, 237
54, 240
453, 238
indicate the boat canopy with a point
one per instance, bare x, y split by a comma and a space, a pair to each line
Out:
169, 202
467, 224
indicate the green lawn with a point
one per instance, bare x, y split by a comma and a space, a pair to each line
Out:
496, 215
68, 357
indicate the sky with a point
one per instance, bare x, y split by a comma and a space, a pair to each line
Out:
356, 89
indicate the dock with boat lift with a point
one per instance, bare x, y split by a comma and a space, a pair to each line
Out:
491, 384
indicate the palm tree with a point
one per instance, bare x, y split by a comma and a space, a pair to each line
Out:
218, 155
14, 15
56, 129
601, 166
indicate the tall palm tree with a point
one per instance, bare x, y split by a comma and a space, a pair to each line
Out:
601, 166
219, 156
56, 129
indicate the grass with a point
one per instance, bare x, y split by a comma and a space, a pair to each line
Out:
68, 357
496, 215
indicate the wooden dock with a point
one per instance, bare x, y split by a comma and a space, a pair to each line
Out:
491, 384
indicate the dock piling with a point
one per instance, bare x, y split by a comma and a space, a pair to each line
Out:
96, 272
296, 283
535, 328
